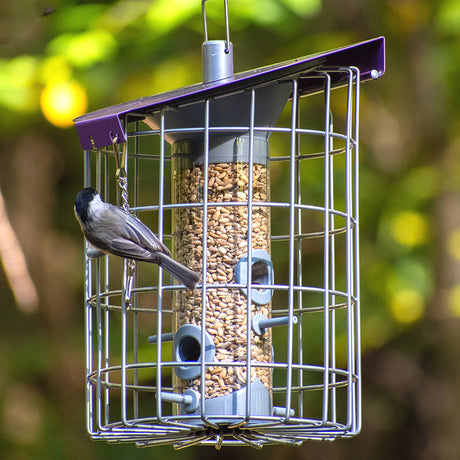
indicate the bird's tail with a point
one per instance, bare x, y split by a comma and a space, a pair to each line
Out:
188, 277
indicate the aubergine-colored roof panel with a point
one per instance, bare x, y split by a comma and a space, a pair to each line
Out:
97, 129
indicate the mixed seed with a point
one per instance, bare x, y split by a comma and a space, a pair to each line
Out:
227, 241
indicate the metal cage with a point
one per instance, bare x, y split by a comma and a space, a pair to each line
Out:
279, 295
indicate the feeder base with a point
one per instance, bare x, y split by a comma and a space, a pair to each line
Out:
234, 403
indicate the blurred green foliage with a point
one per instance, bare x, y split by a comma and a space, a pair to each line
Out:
115, 51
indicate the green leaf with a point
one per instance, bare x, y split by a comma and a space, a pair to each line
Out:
86, 48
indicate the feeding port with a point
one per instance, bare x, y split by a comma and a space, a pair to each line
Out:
251, 181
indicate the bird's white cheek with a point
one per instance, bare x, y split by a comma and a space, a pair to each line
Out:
96, 207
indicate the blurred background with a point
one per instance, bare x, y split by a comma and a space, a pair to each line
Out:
62, 58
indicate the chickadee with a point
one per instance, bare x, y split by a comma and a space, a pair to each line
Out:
113, 230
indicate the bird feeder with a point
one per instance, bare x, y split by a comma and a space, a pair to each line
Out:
266, 349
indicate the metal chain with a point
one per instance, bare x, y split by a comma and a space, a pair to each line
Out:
123, 183
122, 179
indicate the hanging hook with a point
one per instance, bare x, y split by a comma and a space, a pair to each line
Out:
227, 27
121, 174
121, 165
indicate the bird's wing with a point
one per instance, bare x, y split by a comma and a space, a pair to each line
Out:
137, 232
125, 235
129, 230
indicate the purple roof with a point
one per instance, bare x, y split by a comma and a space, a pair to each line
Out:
102, 125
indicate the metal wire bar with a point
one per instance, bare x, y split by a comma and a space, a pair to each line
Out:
204, 245
298, 231
234, 286
103, 166
124, 402
331, 236
242, 203
349, 247
233, 129
102, 348
160, 271
356, 426
99, 346
152, 365
88, 313
326, 273
249, 262
292, 200
278, 287
135, 326
121, 178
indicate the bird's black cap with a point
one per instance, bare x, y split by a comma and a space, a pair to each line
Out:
82, 201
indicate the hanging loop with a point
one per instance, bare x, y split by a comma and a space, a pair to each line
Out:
227, 28
217, 55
